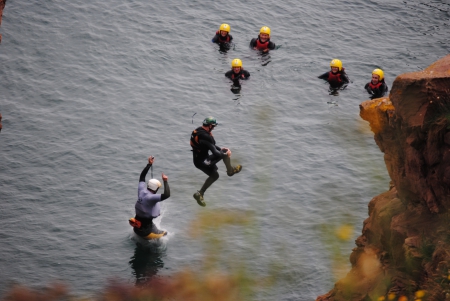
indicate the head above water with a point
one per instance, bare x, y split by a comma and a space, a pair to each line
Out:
236, 63
153, 184
265, 30
224, 27
336, 63
378, 72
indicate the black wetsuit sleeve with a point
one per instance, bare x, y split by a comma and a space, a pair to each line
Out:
271, 45
144, 173
215, 150
377, 93
215, 39
253, 43
229, 73
231, 38
324, 76
166, 193
368, 89
246, 74
381, 91
344, 77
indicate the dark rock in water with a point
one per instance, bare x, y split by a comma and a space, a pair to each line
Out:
405, 243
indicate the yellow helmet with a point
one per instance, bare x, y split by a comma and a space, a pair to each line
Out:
336, 63
225, 27
378, 72
236, 63
265, 30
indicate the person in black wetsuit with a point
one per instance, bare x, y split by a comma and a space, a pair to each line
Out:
262, 42
202, 142
376, 87
148, 204
237, 72
223, 37
336, 77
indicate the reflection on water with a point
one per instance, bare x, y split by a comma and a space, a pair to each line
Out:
147, 261
224, 48
265, 58
236, 87
236, 90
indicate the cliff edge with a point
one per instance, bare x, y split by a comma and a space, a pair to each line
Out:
2, 6
404, 250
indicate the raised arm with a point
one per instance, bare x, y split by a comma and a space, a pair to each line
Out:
145, 170
166, 193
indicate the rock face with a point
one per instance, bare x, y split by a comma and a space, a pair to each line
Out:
2, 6
405, 243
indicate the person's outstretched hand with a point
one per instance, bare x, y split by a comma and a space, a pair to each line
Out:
151, 159
164, 177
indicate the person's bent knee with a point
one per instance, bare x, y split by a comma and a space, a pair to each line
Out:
215, 176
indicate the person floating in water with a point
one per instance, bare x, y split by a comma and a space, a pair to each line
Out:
262, 42
147, 206
202, 141
336, 77
223, 37
377, 87
237, 72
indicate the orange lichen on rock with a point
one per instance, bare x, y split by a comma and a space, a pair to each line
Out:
377, 112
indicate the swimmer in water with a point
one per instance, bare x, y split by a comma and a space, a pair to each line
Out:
336, 77
223, 37
262, 42
377, 87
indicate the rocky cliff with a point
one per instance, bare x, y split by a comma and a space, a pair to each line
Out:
2, 6
404, 250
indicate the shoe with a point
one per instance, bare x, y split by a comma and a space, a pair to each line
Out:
235, 170
198, 196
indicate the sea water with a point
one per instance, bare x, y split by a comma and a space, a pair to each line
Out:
90, 89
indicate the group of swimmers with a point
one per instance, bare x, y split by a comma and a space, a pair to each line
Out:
336, 77
203, 143
224, 39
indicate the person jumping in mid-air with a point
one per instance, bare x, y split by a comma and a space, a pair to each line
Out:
202, 141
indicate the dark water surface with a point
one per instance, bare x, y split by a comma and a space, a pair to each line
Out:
90, 89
